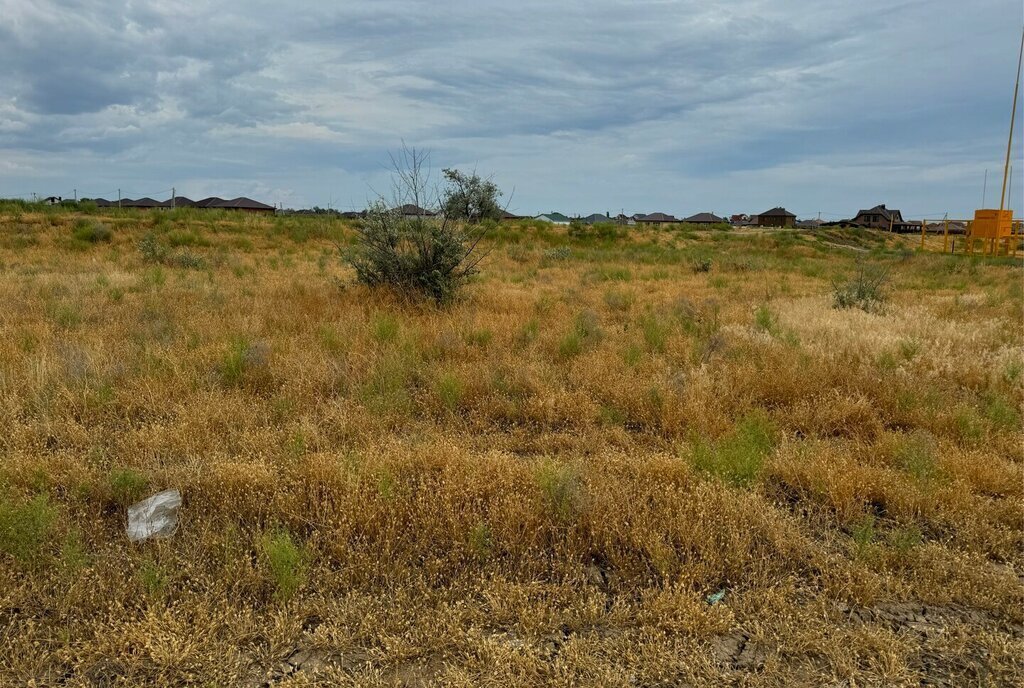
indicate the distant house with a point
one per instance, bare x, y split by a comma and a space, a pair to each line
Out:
245, 204
101, 202
553, 218
657, 219
506, 215
353, 214
141, 203
740, 219
410, 210
178, 202
776, 217
705, 219
209, 202
878, 217
52, 200
597, 218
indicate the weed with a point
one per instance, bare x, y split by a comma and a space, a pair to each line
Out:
127, 485
738, 457
385, 328
285, 562
151, 248
701, 264
561, 488
863, 533
91, 231
153, 578
619, 300
481, 542
864, 290
765, 320
656, 332
916, 455
25, 528
450, 390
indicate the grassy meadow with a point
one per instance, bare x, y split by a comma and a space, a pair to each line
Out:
624, 458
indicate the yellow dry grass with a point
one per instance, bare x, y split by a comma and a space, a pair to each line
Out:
542, 484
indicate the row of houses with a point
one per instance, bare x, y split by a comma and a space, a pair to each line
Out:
241, 203
776, 217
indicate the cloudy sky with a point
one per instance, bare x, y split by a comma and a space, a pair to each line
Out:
581, 106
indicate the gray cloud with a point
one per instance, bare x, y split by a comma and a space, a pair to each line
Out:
663, 104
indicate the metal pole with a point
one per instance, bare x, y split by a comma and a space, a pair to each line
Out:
1013, 116
945, 234
172, 198
119, 199
924, 225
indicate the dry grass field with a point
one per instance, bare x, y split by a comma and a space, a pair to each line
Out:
658, 459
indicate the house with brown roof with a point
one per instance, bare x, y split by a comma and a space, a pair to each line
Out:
878, 217
705, 219
410, 210
657, 219
245, 204
776, 217
142, 203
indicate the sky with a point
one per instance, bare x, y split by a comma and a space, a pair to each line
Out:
677, 106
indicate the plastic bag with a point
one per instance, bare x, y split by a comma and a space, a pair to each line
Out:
156, 516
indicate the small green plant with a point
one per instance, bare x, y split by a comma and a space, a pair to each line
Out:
529, 333
479, 338
864, 290
655, 331
558, 253
91, 231
916, 455
450, 390
385, 328
153, 578
863, 533
701, 265
152, 250
561, 488
25, 528
127, 485
73, 554
904, 540
481, 542
619, 299
586, 331
285, 562
738, 457
765, 320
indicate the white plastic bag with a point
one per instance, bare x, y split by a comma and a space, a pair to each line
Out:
156, 516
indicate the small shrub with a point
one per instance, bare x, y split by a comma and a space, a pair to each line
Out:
385, 328
863, 534
449, 390
701, 265
561, 488
153, 578
864, 290
241, 356
91, 231
916, 455
557, 254
187, 259
25, 528
481, 541
619, 299
765, 320
127, 485
738, 457
152, 250
655, 332
529, 333
585, 332
285, 562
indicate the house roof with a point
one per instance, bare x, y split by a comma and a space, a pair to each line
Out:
243, 203
140, 203
554, 217
595, 218
100, 202
705, 218
209, 202
506, 215
657, 217
412, 209
880, 210
777, 212
178, 202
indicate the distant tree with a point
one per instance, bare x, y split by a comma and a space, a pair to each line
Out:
470, 198
424, 255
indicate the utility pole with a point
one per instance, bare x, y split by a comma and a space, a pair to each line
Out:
173, 195
1013, 116
75, 191
119, 199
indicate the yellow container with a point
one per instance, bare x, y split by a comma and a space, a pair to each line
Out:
992, 224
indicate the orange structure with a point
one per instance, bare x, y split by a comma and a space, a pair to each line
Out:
993, 227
